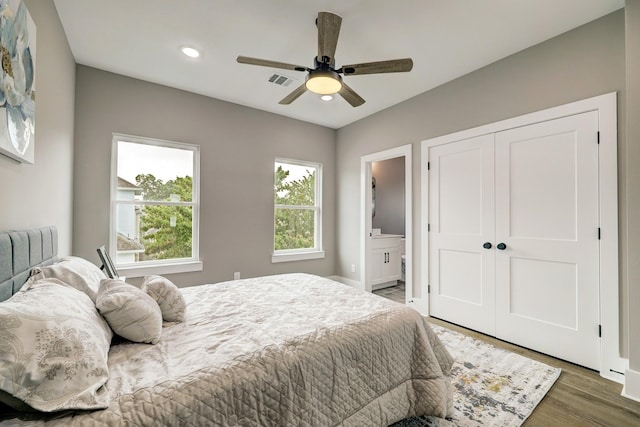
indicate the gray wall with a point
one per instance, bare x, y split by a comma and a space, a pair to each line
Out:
41, 194
632, 21
238, 146
389, 175
584, 62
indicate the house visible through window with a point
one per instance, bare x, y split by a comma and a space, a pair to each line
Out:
297, 210
154, 209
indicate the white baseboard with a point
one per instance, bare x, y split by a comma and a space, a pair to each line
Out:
384, 285
614, 367
631, 388
350, 282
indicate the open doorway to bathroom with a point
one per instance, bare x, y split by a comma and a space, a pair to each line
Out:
386, 223
388, 228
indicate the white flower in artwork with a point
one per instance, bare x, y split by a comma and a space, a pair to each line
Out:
17, 94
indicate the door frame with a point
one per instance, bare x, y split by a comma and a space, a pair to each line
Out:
365, 214
613, 365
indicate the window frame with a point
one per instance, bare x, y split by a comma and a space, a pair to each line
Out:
285, 255
170, 266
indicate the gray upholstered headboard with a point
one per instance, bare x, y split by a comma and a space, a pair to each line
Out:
22, 250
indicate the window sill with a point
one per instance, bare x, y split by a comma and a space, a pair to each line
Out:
298, 256
139, 271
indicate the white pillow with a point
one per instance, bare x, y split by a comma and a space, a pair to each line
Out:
54, 347
74, 271
168, 297
130, 312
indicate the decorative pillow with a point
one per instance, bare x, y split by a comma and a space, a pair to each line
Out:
130, 312
74, 271
168, 297
54, 347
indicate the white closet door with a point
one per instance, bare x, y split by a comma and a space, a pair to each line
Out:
547, 216
461, 204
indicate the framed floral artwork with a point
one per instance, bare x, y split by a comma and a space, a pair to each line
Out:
17, 81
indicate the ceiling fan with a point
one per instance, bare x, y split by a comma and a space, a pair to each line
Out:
325, 78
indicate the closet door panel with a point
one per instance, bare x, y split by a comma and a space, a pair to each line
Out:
461, 205
547, 217
542, 185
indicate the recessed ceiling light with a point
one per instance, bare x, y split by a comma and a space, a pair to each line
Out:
326, 97
190, 52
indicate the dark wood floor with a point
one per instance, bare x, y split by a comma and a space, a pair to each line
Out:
580, 397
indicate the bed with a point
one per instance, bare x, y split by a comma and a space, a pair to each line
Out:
292, 349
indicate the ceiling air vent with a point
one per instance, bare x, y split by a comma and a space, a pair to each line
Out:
280, 80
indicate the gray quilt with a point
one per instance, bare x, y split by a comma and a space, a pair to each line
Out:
286, 350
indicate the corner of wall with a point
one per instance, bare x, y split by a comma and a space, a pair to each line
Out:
631, 388
352, 283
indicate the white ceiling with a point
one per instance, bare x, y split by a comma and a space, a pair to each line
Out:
445, 38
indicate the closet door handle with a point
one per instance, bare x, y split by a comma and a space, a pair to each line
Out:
501, 246
487, 245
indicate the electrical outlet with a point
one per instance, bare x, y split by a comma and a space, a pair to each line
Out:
353, 268
236, 275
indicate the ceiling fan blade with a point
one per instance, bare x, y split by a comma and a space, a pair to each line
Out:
328, 31
392, 66
267, 63
293, 95
351, 96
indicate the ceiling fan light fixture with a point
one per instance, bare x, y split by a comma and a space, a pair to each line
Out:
326, 97
323, 82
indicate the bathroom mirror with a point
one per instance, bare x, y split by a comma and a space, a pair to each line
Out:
373, 196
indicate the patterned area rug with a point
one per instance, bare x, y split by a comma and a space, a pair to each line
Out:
492, 387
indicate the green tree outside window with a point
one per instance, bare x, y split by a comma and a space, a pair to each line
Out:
166, 230
295, 209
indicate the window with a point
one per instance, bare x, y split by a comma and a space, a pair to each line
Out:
154, 206
297, 210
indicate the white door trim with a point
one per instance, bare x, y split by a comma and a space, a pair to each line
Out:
365, 216
613, 366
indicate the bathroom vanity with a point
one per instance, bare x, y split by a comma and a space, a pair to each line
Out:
386, 260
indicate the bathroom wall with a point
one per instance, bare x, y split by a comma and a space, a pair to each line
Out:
390, 194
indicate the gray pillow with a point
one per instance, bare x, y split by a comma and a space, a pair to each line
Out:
130, 312
54, 347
